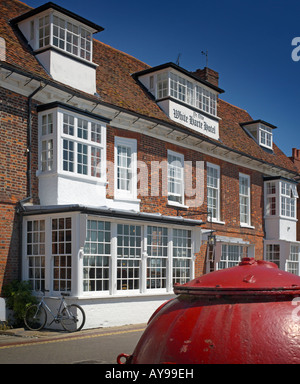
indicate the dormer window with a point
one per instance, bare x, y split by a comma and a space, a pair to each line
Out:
265, 136
261, 131
63, 43
171, 84
185, 97
59, 32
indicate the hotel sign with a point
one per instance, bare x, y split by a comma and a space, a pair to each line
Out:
191, 118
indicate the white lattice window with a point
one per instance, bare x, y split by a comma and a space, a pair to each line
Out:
129, 252
182, 254
245, 208
157, 250
273, 253
175, 177
292, 263
62, 253
125, 168
213, 191
35, 239
96, 260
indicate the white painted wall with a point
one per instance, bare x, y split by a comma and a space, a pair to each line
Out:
101, 313
69, 71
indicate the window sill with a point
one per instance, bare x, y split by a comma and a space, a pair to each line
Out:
216, 221
246, 226
178, 205
123, 295
120, 199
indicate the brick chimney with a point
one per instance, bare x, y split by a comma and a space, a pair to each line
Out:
296, 157
208, 75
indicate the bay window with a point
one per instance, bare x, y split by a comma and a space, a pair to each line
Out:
113, 257
71, 143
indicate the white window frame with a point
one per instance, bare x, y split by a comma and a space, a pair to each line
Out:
271, 198
288, 200
216, 189
273, 253
245, 197
55, 244
131, 192
78, 44
175, 180
187, 91
265, 136
231, 255
293, 261
51, 158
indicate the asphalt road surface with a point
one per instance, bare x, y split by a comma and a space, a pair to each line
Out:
85, 347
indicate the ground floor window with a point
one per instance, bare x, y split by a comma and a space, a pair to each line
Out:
96, 261
129, 253
157, 249
182, 253
36, 253
273, 253
292, 263
231, 255
92, 255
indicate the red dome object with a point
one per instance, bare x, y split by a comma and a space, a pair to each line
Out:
239, 315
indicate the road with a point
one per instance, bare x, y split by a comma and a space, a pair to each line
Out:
86, 347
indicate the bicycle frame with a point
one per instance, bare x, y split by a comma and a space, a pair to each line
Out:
56, 317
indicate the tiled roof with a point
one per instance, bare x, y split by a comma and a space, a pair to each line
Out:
116, 86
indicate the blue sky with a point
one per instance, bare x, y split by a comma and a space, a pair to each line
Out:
248, 42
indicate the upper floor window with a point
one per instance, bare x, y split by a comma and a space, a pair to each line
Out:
245, 210
125, 168
271, 198
72, 143
187, 91
213, 191
280, 198
63, 34
261, 131
265, 136
175, 178
288, 199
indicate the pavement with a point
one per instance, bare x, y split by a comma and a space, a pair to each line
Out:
17, 335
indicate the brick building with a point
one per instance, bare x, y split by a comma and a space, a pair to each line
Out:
118, 180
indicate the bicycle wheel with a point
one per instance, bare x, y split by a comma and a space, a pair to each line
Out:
35, 317
73, 318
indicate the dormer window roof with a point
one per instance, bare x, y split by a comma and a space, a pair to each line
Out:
261, 131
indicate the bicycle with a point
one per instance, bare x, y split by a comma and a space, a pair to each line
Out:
71, 317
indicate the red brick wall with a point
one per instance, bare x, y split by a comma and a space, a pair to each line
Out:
13, 177
14, 186
151, 149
